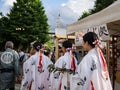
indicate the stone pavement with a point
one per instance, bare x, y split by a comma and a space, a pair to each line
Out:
17, 87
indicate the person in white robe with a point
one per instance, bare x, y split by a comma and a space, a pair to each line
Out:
65, 67
92, 71
36, 74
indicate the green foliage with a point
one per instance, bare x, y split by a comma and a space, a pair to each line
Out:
25, 23
50, 44
85, 14
4, 32
99, 5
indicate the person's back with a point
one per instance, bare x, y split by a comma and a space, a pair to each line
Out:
22, 56
90, 73
92, 70
9, 67
37, 70
65, 67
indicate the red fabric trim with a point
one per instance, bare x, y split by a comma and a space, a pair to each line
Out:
30, 86
104, 65
73, 67
92, 86
40, 61
103, 61
60, 85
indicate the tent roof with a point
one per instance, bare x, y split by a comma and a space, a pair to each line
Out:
109, 16
61, 33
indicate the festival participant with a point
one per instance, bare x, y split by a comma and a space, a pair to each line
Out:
9, 67
92, 71
65, 66
36, 74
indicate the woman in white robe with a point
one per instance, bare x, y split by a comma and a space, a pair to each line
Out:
65, 66
92, 71
36, 74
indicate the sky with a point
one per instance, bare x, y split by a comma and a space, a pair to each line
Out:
69, 10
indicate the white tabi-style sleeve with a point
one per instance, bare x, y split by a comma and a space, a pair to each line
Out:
48, 61
56, 77
27, 77
59, 62
81, 80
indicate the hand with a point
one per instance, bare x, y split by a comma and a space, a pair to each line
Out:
18, 79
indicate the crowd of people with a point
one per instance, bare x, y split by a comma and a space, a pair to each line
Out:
40, 73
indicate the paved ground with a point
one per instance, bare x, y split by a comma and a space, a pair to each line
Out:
17, 87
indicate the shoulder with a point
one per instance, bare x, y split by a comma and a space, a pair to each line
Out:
35, 56
60, 59
31, 59
15, 52
92, 54
1, 53
87, 59
47, 59
59, 62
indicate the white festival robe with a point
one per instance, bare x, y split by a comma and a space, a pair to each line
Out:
90, 73
62, 80
33, 78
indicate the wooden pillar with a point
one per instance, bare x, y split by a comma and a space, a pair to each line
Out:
56, 48
67, 37
113, 60
108, 53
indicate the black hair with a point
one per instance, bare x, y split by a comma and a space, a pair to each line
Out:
37, 46
67, 44
47, 52
21, 49
90, 37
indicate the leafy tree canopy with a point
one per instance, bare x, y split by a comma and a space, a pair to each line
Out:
25, 23
99, 5
85, 14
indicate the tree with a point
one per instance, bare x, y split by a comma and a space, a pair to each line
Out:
99, 5
85, 14
3, 30
27, 22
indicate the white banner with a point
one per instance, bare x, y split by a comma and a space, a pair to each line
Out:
101, 31
78, 38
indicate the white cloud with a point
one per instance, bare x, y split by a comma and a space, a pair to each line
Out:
78, 6
69, 11
7, 4
63, 4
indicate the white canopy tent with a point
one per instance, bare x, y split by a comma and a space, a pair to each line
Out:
61, 33
109, 16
